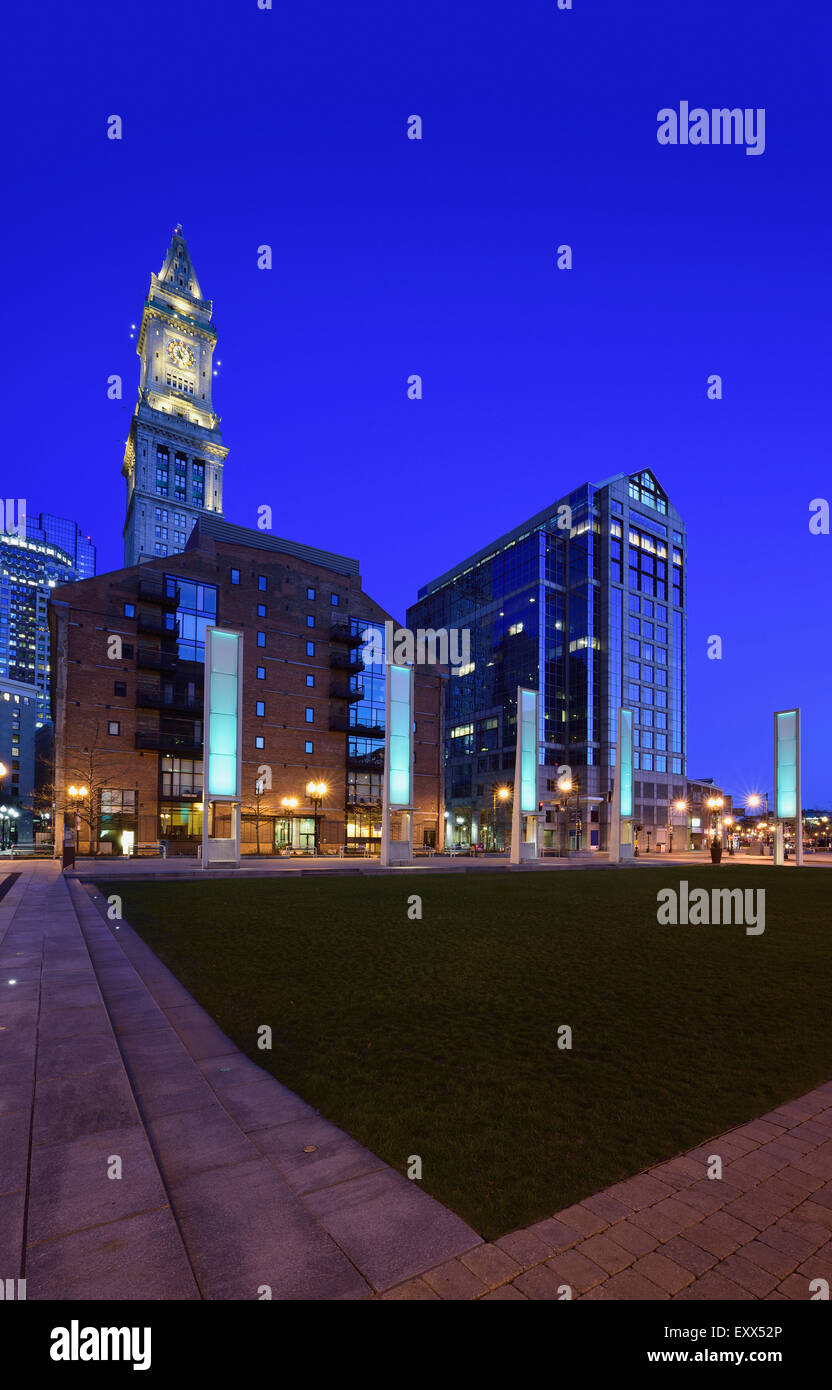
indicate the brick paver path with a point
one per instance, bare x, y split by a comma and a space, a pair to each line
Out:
761, 1231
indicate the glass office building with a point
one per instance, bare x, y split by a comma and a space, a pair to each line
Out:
585, 603
67, 536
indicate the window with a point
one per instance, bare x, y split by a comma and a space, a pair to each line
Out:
119, 688
127, 649
260, 710
129, 610
261, 639
261, 610
261, 583
113, 727
310, 715
181, 777
310, 620
310, 649
334, 600
309, 746
160, 549
310, 593
261, 673
310, 680
235, 576
259, 742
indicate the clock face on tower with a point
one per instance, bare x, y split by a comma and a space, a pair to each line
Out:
180, 353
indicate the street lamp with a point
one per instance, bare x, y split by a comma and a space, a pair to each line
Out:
316, 791
714, 803
501, 794
289, 803
76, 796
679, 806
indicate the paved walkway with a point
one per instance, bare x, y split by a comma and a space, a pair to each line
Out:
229, 1183
762, 1231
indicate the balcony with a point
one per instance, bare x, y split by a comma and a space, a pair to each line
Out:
151, 697
155, 626
154, 590
338, 690
153, 660
340, 632
340, 724
367, 762
342, 661
183, 745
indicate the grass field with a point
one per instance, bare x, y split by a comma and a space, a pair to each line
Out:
439, 1037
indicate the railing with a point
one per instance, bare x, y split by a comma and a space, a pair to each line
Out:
154, 660
341, 661
156, 591
156, 741
339, 691
147, 697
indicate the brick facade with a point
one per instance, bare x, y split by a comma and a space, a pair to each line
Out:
119, 718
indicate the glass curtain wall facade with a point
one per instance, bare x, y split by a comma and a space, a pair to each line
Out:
365, 736
591, 615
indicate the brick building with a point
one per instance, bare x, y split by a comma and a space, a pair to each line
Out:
127, 698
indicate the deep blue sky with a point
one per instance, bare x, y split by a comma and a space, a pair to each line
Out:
393, 257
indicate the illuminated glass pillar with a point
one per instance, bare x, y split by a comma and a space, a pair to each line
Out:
397, 795
787, 781
222, 752
621, 820
524, 812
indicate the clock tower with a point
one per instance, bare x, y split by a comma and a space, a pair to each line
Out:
174, 456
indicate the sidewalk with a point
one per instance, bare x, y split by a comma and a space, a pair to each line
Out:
229, 1184
143, 1157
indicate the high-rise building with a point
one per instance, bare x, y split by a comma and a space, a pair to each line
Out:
29, 570
585, 603
173, 462
67, 536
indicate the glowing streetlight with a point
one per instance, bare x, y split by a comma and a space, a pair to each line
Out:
316, 791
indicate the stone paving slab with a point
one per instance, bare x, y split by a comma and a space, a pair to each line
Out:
232, 1183
105, 1057
763, 1231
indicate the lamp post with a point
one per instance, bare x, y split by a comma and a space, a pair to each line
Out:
729, 821
568, 785
316, 791
289, 803
76, 798
501, 795
679, 806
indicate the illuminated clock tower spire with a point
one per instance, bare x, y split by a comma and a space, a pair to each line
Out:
174, 457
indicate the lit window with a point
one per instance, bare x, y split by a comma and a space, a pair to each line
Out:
309, 747
310, 715
113, 727
261, 709
259, 742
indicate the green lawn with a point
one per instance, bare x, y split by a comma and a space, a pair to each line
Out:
439, 1037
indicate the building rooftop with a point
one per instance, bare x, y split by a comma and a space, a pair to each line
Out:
227, 533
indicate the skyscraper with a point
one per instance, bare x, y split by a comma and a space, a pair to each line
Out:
173, 462
29, 570
585, 602
67, 536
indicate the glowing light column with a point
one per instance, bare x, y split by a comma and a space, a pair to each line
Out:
524, 813
222, 752
621, 820
397, 795
787, 781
